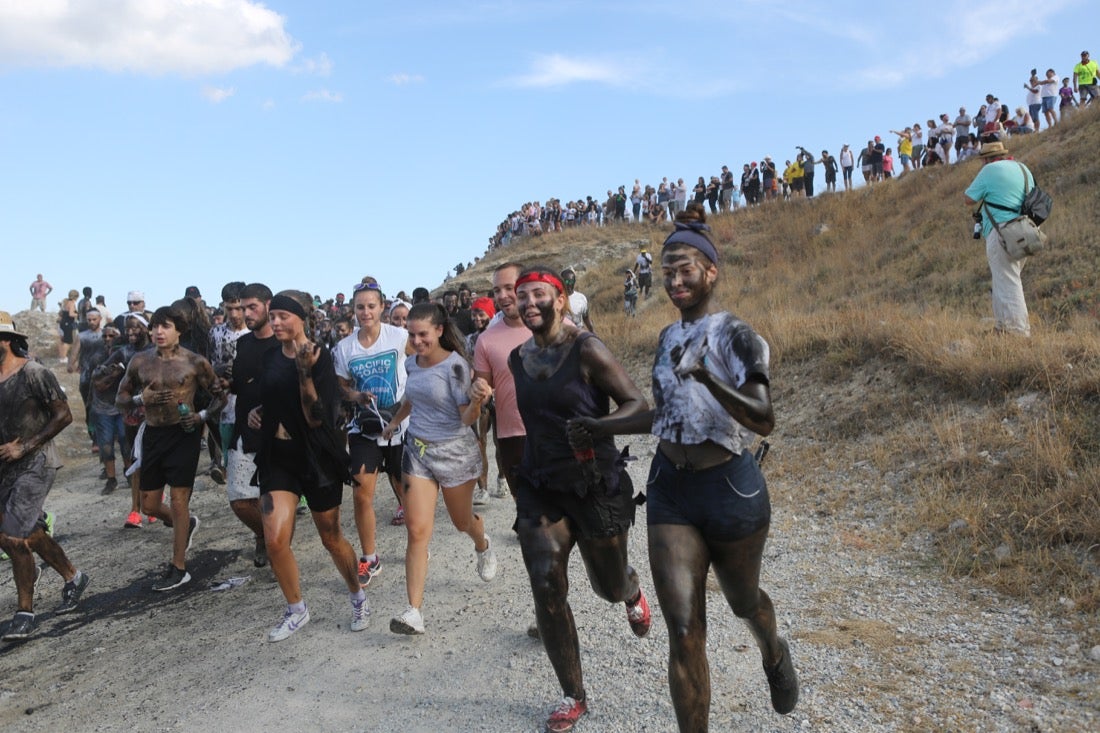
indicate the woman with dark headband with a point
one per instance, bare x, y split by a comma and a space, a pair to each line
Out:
301, 455
707, 502
440, 451
571, 490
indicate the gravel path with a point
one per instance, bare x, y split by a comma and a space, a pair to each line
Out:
881, 641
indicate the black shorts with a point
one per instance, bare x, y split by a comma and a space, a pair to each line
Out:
368, 457
319, 498
593, 516
645, 279
169, 457
510, 455
727, 502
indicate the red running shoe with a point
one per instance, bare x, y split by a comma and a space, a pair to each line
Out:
566, 715
133, 521
637, 613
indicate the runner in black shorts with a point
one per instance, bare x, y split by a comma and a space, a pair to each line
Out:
570, 490
165, 381
301, 454
707, 502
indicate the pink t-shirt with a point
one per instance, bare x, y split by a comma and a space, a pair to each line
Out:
39, 288
491, 357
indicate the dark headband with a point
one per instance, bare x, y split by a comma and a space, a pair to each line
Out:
285, 303
692, 234
541, 277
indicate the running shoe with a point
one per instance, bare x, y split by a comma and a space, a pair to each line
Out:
218, 475
303, 507
110, 486
410, 622
21, 626
172, 578
291, 622
566, 715
368, 569
481, 496
360, 614
260, 558
48, 522
487, 561
783, 681
398, 517
102, 473
192, 525
637, 613
501, 489
133, 521
70, 594
150, 518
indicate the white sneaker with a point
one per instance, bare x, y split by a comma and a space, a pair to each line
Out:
360, 614
291, 622
410, 622
481, 496
501, 490
487, 561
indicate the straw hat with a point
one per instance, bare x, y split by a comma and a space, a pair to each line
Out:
7, 325
993, 149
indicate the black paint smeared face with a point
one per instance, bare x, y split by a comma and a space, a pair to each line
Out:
539, 305
688, 276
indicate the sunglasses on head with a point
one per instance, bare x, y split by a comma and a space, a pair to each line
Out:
369, 286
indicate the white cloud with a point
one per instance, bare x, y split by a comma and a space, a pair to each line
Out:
556, 70
322, 95
401, 79
188, 37
268, 104
940, 50
320, 66
217, 95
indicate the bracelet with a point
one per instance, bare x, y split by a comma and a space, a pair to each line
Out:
138, 402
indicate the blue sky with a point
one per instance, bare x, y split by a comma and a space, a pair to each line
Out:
155, 144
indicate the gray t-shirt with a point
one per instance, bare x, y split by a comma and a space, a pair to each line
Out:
438, 394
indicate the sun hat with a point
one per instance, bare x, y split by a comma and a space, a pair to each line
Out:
992, 149
7, 325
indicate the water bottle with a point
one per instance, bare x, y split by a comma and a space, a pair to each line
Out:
184, 411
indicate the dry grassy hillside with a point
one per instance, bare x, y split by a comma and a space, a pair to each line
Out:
894, 398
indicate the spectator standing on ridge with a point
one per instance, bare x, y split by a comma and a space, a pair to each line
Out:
878, 149
82, 308
643, 268
1084, 79
726, 189
768, 175
1048, 96
808, 164
918, 146
962, 131
1034, 100
905, 147
1000, 186
40, 289
847, 165
830, 171
33, 410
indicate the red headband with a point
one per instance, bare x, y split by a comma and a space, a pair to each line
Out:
541, 277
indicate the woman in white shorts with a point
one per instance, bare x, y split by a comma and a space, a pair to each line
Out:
440, 450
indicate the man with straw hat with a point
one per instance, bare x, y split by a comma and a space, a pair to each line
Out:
1001, 184
33, 410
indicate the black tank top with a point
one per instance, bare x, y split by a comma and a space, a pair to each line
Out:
545, 406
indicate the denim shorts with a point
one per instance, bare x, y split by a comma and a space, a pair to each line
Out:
1048, 103
727, 502
110, 429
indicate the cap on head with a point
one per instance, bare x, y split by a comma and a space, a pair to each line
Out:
878, 139
135, 296
192, 292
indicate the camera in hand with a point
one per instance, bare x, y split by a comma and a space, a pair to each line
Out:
977, 216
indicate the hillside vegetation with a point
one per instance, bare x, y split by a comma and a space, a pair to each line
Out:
899, 411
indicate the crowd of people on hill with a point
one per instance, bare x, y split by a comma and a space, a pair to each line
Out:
413, 390
1047, 100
